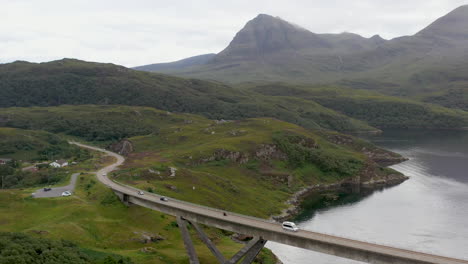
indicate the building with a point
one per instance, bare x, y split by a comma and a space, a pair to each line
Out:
59, 164
4, 161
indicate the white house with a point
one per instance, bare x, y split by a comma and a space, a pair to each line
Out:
59, 164
4, 161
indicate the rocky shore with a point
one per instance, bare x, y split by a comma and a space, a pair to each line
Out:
364, 183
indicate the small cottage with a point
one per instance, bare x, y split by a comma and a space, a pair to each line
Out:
59, 164
4, 161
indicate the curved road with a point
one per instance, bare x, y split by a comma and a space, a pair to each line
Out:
329, 244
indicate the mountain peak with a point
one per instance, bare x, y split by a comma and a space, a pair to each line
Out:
453, 25
266, 34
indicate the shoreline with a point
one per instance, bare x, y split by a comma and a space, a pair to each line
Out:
352, 185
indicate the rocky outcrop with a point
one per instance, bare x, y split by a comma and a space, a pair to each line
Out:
146, 238
370, 178
223, 154
380, 156
269, 152
383, 157
123, 147
264, 152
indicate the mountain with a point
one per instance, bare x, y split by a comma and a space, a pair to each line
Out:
430, 66
177, 65
272, 49
452, 26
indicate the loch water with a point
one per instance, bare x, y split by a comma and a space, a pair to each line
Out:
428, 212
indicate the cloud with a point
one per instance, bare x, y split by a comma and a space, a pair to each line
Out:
140, 32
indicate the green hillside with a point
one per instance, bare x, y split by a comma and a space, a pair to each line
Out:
224, 164
203, 149
31, 145
95, 220
379, 110
77, 82
21, 248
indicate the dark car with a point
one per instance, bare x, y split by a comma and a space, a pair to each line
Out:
47, 189
164, 199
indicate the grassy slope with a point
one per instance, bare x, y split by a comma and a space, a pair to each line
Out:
96, 220
78, 82
28, 144
206, 177
170, 137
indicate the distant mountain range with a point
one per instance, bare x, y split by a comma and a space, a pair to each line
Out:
431, 65
341, 82
177, 65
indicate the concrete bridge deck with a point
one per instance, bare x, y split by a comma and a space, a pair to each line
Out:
328, 244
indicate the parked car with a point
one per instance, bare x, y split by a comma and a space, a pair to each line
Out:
66, 193
46, 189
141, 193
164, 199
290, 226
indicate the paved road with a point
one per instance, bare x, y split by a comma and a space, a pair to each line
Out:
57, 192
269, 227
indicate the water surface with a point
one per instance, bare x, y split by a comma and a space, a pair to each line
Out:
428, 212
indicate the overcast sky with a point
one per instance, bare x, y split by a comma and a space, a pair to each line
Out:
138, 32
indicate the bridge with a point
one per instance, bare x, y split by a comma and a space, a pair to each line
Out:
262, 230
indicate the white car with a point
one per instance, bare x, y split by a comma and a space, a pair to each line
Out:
141, 193
66, 193
290, 226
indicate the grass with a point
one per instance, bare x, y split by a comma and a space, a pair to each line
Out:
22, 144
218, 165
95, 219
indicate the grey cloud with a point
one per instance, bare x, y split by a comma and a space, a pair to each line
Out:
142, 31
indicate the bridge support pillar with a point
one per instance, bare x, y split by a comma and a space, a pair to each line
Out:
187, 241
247, 253
250, 251
124, 198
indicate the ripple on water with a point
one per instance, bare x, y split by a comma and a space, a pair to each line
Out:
426, 213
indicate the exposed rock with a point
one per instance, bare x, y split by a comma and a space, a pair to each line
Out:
171, 187
146, 238
236, 132
148, 250
369, 179
172, 171
340, 139
154, 171
123, 147
222, 121
380, 156
222, 154
39, 232
383, 157
269, 152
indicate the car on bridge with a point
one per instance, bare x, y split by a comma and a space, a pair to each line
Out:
290, 226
